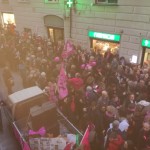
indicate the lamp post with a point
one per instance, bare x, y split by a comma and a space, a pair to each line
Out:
69, 5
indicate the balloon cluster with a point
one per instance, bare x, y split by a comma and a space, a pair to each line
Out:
88, 66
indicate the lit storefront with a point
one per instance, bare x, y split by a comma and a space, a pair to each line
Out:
8, 18
101, 42
146, 51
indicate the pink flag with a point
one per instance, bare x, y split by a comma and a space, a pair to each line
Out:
62, 83
69, 146
68, 49
26, 146
85, 139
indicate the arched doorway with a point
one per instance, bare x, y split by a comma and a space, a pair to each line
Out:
55, 27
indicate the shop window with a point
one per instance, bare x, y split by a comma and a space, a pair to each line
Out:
106, 1
100, 46
147, 56
8, 18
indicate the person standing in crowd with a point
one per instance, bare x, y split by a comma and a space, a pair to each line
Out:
1, 122
42, 80
114, 138
85, 71
144, 135
8, 79
1, 105
128, 145
130, 100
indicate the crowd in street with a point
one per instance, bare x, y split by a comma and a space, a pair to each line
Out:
105, 92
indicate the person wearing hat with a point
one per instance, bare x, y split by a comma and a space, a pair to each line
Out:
42, 81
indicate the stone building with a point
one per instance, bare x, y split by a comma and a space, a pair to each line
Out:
121, 25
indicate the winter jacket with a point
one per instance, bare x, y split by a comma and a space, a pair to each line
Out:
115, 144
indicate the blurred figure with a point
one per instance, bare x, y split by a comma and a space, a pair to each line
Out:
128, 145
8, 79
1, 104
144, 135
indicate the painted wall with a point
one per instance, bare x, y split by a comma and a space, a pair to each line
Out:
129, 18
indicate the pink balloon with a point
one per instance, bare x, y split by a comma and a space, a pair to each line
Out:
93, 63
82, 66
56, 59
88, 67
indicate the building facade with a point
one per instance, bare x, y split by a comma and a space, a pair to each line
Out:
120, 25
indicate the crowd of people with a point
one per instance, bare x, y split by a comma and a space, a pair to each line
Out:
105, 92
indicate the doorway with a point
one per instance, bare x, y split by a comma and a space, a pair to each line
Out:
55, 34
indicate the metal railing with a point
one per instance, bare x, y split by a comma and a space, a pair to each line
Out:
62, 119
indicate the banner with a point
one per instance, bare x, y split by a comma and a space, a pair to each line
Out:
68, 49
57, 143
62, 83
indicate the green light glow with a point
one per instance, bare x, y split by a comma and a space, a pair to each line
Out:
69, 3
105, 36
145, 43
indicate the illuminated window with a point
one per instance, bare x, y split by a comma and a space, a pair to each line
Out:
8, 18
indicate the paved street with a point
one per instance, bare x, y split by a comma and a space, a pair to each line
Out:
7, 140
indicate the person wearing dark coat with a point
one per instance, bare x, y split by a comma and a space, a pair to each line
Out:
122, 91
1, 105
144, 135
8, 79
128, 145
129, 101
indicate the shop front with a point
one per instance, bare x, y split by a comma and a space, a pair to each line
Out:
8, 18
145, 51
55, 28
100, 42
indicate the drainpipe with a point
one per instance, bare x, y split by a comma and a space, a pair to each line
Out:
70, 22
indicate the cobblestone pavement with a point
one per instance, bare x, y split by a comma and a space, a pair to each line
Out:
7, 140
